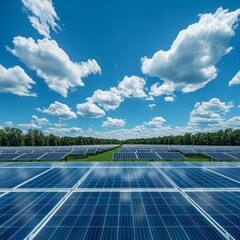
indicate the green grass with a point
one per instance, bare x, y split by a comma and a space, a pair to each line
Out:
101, 157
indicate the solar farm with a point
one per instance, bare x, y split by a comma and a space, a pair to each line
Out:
120, 200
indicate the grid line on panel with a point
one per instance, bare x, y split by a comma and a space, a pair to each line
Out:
220, 229
44, 221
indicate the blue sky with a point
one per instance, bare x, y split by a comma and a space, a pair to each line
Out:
122, 69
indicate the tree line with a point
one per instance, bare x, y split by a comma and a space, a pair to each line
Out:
33, 137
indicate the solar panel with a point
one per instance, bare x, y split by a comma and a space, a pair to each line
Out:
219, 155
29, 156
223, 207
79, 152
171, 155
135, 215
125, 178
124, 156
57, 178
49, 156
21, 212
147, 155
11, 177
235, 154
198, 178
9, 156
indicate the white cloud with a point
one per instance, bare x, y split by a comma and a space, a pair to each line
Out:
42, 16
36, 122
14, 80
132, 87
233, 122
129, 87
156, 122
235, 80
152, 105
209, 114
59, 125
169, 99
52, 64
32, 125
89, 109
191, 61
8, 124
40, 121
109, 99
73, 131
60, 110
113, 122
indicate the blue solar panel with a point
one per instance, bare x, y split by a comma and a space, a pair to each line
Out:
21, 212
235, 154
232, 173
124, 156
49, 156
57, 178
29, 156
171, 155
198, 178
9, 156
115, 215
223, 207
119, 177
11, 177
147, 155
219, 155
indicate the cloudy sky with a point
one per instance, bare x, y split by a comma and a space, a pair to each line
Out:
120, 69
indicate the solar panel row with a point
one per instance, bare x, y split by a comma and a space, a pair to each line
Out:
119, 200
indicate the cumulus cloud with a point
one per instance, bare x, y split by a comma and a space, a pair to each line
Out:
36, 122
169, 99
42, 16
89, 109
108, 99
209, 114
191, 61
60, 110
156, 122
8, 124
235, 80
72, 131
129, 87
52, 64
40, 121
152, 105
14, 80
132, 87
113, 122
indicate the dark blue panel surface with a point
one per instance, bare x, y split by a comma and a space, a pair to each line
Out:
198, 178
57, 178
114, 215
223, 207
21, 212
11, 177
119, 177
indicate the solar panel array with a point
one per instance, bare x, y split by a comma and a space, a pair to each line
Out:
146, 152
50, 153
119, 200
175, 152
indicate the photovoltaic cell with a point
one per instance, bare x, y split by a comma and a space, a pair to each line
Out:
115, 215
125, 178
57, 178
198, 178
11, 177
223, 207
21, 212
